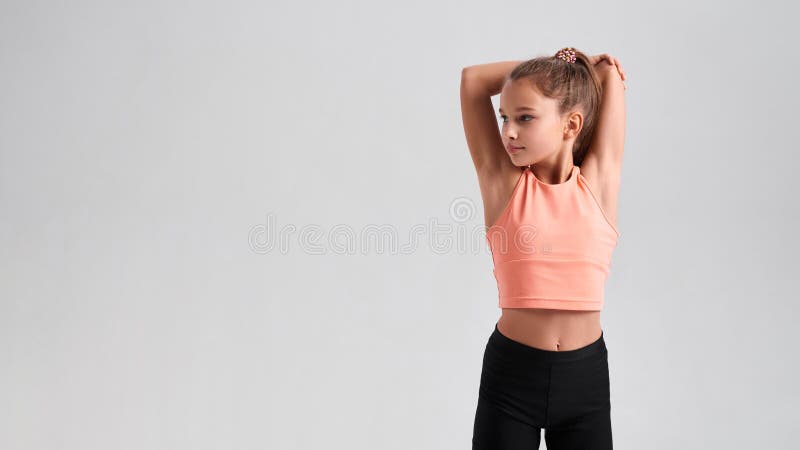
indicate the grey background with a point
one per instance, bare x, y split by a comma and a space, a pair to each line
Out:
145, 144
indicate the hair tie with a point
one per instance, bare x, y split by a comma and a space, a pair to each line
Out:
567, 54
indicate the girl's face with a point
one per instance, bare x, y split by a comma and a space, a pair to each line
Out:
531, 121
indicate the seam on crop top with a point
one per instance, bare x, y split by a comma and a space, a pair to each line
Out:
539, 297
510, 201
605, 216
545, 259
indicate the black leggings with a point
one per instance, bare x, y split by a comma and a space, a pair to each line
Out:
524, 389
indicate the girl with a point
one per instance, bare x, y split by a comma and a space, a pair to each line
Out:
549, 181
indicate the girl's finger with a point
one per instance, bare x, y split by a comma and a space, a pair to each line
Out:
616, 63
619, 66
621, 71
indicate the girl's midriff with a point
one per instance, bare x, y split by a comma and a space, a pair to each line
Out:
550, 329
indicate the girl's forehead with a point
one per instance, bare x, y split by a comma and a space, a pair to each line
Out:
517, 103
518, 95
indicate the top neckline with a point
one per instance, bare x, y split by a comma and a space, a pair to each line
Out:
573, 175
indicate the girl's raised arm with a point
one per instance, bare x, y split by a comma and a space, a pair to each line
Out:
478, 84
608, 139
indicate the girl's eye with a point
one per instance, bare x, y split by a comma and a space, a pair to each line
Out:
523, 116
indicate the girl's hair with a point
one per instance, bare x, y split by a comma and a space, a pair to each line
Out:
574, 85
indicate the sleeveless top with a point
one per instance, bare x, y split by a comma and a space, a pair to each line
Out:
552, 245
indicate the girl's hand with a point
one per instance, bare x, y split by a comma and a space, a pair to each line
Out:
605, 58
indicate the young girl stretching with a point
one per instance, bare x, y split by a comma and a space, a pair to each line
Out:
549, 180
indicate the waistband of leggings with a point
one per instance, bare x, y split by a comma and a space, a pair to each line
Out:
506, 344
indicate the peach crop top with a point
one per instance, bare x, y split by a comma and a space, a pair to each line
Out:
552, 245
